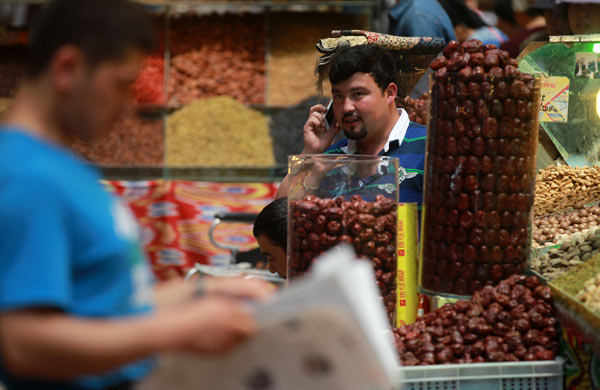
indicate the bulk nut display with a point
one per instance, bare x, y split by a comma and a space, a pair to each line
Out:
286, 129
148, 88
590, 294
320, 223
218, 132
480, 171
552, 227
132, 141
217, 55
573, 251
292, 54
513, 321
558, 188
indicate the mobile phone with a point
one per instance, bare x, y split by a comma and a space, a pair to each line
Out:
329, 116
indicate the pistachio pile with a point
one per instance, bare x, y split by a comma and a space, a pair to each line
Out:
590, 294
573, 251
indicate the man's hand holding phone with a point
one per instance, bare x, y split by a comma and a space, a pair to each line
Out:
317, 138
318, 131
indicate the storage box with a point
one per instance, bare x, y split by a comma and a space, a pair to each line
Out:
542, 375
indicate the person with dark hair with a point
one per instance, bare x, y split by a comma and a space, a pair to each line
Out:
583, 16
78, 309
420, 18
469, 25
556, 16
507, 21
270, 230
522, 21
363, 80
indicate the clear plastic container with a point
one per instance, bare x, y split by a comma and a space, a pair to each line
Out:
340, 198
480, 180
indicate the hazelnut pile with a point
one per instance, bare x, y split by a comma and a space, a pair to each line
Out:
551, 227
513, 321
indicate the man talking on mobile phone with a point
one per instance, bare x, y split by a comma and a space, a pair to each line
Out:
364, 90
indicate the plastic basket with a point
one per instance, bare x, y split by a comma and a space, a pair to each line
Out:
539, 375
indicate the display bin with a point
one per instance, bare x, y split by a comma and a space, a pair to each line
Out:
570, 310
479, 180
542, 375
340, 198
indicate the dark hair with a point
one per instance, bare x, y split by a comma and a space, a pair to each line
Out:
369, 59
504, 10
460, 14
272, 222
102, 29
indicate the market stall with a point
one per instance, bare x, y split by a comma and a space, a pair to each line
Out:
220, 67
481, 197
490, 216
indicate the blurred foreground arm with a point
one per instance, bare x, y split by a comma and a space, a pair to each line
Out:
45, 343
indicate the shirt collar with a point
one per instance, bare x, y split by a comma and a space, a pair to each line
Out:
397, 133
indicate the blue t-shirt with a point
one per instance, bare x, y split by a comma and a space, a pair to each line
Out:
66, 243
411, 160
489, 35
421, 18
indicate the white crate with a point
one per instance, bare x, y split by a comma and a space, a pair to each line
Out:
539, 375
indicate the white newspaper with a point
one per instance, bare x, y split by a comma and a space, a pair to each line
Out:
326, 331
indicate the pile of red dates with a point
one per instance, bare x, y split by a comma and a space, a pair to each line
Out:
318, 224
513, 321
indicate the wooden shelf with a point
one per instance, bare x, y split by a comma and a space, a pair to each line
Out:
212, 174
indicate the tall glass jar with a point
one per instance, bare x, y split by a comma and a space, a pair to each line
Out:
479, 180
341, 198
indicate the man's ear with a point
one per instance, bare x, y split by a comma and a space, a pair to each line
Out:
390, 93
66, 68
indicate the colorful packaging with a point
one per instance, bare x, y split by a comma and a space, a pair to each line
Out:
407, 297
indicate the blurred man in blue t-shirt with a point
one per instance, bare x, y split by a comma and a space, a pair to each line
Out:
78, 308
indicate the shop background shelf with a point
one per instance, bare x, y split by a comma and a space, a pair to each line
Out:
208, 174
135, 140
546, 375
276, 78
183, 6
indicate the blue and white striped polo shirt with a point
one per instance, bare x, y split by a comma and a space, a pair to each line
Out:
406, 142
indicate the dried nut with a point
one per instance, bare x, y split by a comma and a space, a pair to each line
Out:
580, 187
